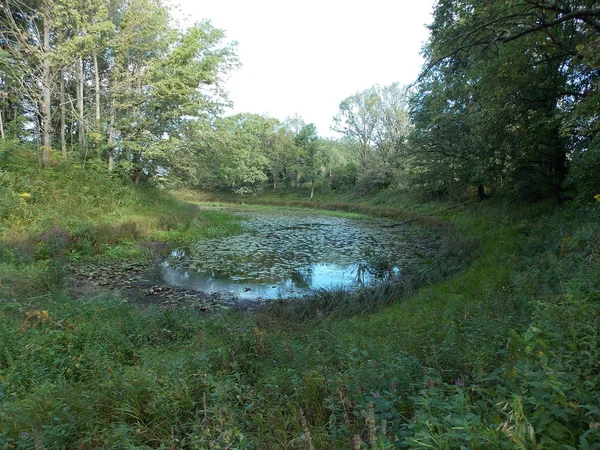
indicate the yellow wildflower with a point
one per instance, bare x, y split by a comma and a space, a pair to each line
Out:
597, 197
25, 195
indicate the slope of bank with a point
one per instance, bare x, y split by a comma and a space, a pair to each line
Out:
502, 355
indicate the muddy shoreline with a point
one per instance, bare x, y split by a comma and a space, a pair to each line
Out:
135, 282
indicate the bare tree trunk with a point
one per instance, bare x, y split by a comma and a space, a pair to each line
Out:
364, 149
1, 125
47, 105
97, 86
330, 180
63, 140
111, 160
80, 103
71, 133
312, 188
111, 137
138, 176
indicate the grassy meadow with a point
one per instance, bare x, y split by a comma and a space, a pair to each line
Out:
494, 346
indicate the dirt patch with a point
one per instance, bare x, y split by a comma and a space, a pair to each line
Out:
135, 282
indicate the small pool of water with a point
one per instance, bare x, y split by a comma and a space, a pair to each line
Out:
287, 254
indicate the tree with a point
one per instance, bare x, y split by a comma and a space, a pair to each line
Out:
357, 120
229, 154
112, 75
280, 151
377, 120
25, 33
307, 141
497, 103
392, 121
178, 89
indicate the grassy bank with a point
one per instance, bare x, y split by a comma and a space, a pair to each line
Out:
502, 355
70, 214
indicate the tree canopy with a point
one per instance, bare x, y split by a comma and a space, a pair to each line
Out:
508, 100
115, 77
508, 97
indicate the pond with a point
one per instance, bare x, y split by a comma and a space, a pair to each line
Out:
283, 254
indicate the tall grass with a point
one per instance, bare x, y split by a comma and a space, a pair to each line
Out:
499, 349
66, 214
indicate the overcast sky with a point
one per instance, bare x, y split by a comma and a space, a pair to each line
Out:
307, 56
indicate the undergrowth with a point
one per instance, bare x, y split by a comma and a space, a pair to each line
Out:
503, 354
68, 214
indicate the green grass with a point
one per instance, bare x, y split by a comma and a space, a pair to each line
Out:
68, 214
503, 354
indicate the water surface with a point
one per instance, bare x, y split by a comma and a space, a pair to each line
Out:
283, 254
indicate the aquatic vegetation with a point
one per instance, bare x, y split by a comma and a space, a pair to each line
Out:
288, 253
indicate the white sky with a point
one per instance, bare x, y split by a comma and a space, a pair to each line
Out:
307, 56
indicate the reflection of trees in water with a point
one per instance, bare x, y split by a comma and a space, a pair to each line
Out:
285, 248
302, 278
360, 273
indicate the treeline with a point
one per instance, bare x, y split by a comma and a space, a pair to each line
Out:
246, 153
508, 101
113, 80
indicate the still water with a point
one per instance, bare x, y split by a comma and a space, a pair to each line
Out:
288, 253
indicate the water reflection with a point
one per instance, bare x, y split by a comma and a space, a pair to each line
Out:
316, 276
283, 255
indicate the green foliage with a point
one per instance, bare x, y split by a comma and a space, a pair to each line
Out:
502, 353
505, 104
375, 124
131, 79
231, 156
583, 176
66, 213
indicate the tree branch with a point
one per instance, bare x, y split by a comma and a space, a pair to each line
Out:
585, 15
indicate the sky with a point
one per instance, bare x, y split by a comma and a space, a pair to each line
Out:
305, 57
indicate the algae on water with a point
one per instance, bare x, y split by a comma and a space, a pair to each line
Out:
285, 254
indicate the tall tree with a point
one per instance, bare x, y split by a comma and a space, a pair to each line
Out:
497, 103
377, 120
356, 119
230, 154
26, 33
307, 140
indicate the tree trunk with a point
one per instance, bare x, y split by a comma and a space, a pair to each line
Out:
364, 149
312, 188
481, 192
63, 140
97, 86
111, 160
136, 160
1, 126
330, 181
138, 176
111, 136
47, 99
80, 103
